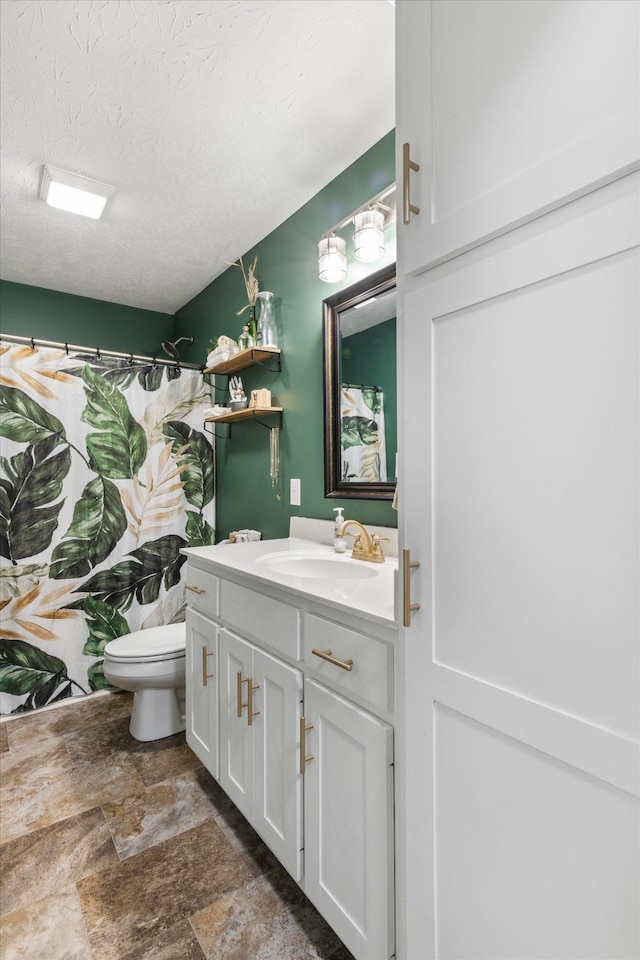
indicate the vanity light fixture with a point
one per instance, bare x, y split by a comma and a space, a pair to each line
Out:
74, 193
332, 259
369, 222
368, 236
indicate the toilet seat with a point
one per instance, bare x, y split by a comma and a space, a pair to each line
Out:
146, 646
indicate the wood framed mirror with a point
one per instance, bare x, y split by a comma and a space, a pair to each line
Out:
360, 389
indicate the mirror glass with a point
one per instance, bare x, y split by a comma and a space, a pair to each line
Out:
360, 395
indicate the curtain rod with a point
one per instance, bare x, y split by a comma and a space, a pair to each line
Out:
99, 352
363, 386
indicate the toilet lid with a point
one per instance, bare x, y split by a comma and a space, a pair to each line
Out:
156, 643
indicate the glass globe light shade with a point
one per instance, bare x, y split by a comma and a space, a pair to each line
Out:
332, 259
369, 235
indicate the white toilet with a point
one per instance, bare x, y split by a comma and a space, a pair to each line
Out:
151, 664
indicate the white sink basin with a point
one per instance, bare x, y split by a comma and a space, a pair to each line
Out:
324, 566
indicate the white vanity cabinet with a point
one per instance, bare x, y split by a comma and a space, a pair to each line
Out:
304, 700
201, 663
348, 803
348, 782
260, 703
201, 660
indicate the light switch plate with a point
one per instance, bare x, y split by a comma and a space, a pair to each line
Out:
294, 493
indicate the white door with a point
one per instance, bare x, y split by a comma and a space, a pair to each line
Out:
201, 689
518, 819
277, 798
236, 735
348, 797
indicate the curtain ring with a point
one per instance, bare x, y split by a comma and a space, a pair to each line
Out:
130, 358
33, 344
155, 363
98, 357
66, 347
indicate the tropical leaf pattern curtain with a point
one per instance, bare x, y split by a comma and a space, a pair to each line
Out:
105, 475
364, 456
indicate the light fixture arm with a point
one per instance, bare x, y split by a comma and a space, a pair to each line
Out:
377, 201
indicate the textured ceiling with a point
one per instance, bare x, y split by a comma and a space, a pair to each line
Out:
214, 119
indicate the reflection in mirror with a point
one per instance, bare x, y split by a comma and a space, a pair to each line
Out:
360, 395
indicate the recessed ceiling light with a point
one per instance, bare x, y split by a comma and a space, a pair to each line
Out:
69, 191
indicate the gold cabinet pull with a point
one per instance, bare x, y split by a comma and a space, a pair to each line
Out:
251, 713
206, 676
239, 704
304, 757
193, 588
248, 703
407, 166
328, 656
407, 607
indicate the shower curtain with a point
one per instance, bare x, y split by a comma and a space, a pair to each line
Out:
105, 475
364, 456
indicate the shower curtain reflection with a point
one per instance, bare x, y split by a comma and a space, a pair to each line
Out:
362, 437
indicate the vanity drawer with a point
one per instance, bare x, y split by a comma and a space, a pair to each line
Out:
262, 618
371, 676
202, 591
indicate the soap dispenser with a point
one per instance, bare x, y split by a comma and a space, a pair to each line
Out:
339, 543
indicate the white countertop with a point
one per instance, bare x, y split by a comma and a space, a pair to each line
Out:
372, 598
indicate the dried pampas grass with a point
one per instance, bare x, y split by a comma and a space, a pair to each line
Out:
250, 282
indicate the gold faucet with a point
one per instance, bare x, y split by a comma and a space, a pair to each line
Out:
365, 547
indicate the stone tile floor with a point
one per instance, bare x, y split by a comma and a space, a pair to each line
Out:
113, 849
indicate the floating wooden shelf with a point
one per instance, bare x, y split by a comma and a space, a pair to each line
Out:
246, 358
249, 413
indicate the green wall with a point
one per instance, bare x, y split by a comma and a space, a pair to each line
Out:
49, 315
287, 265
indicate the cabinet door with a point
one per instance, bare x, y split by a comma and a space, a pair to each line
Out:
511, 109
201, 689
348, 795
277, 796
518, 826
236, 751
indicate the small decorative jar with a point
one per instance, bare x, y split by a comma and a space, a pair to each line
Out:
245, 340
267, 331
